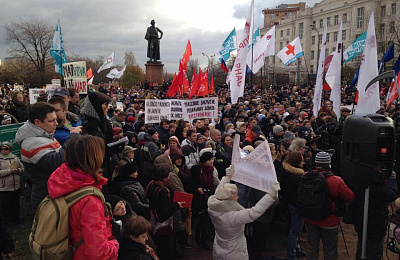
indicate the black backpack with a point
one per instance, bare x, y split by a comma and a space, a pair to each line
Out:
313, 199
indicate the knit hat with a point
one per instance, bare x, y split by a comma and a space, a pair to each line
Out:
113, 200
6, 118
287, 136
227, 191
127, 149
117, 130
140, 136
7, 144
130, 119
230, 132
206, 154
323, 158
151, 131
239, 124
277, 129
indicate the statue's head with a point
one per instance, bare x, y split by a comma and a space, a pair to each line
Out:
152, 22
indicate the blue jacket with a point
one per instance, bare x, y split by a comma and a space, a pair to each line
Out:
62, 132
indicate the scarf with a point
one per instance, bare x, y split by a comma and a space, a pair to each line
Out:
206, 177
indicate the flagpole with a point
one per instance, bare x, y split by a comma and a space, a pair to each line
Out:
308, 73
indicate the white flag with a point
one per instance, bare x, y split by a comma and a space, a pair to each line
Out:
368, 101
318, 83
90, 81
107, 63
291, 52
112, 74
263, 48
238, 74
121, 72
334, 76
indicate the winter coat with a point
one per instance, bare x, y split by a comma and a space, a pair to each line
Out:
19, 111
249, 138
229, 219
290, 180
182, 171
193, 158
86, 218
130, 249
164, 135
223, 156
10, 181
161, 204
150, 151
199, 201
62, 132
254, 196
116, 122
337, 190
41, 155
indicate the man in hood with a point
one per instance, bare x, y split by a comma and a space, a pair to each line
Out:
41, 153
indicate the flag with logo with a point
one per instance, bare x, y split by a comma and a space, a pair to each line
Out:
291, 52
256, 38
112, 74
334, 75
237, 77
203, 89
263, 48
368, 100
107, 63
320, 72
228, 45
355, 48
187, 54
57, 50
121, 72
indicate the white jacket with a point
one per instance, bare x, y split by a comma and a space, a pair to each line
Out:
229, 218
193, 158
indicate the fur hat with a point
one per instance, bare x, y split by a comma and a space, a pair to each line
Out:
205, 155
227, 192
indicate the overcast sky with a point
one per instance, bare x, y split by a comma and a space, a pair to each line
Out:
96, 27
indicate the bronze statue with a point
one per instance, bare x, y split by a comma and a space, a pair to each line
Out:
153, 41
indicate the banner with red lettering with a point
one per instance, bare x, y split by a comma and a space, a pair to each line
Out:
75, 76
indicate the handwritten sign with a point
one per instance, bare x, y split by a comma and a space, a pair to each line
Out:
75, 76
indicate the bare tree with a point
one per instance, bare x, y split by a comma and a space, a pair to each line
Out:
31, 40
130, 58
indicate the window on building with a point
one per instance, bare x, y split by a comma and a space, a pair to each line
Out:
344, 35
312, 69
391, 27
314, 23
272, 16
336, 19
312, 55
344, 18
301, 29
321, 23
289, 15
287, 42
327, 37
394, 8
382, 29
383, 10
326, 52
328, 21
319, 39
281, 45
312, 40
287, 32
335, 36
281, 33
360, 17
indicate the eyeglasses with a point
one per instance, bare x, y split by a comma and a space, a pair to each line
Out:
4, 149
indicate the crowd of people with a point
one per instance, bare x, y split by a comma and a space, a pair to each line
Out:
69, 141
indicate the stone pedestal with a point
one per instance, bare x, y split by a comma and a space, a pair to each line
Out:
155, 72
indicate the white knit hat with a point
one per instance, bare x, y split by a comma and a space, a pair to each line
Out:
227, 191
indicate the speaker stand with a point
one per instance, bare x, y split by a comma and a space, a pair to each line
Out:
365, 225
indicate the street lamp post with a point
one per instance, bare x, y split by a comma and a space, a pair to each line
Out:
313, 27
209, 62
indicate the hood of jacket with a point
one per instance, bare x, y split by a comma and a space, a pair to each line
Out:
292, 169
87, 109
64, 181
175, 139
72, 117
218, 207
28, 130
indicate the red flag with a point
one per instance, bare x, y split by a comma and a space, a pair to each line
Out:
212, 85
203, 90
392, 94
185, 81
194, 85
327, 62
89, 73
187, 54
326, 86
223, 66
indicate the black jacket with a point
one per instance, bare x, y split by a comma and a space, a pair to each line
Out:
130, 249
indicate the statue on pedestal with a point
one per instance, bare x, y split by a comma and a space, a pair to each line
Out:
153, 42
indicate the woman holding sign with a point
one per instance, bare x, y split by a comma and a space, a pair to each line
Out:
229, 218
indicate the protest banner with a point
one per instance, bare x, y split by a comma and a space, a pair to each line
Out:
176, 109
75, 76
34, 94
256, 169
7, 133
56, 82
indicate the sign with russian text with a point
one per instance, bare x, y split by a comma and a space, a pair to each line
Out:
256, 169
176, 109
75, 76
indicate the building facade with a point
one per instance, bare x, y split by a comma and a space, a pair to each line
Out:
308, 23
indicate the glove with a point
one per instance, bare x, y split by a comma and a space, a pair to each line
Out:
275, 188
230, 171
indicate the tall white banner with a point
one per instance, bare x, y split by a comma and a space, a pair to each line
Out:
238, 74
263, 48
256, 169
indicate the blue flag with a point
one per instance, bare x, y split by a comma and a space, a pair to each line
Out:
57, 50
396, 66
355, 78
228, 45
355, 48
389, 54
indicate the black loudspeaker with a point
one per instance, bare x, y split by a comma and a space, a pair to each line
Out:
368, 148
